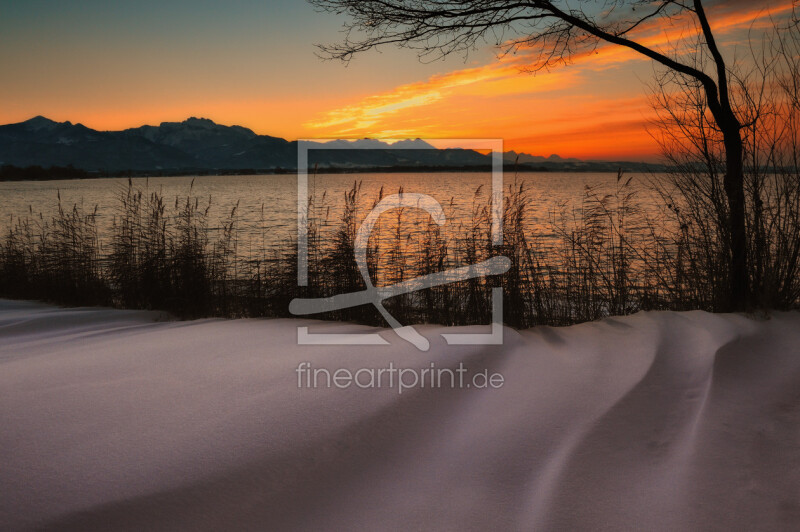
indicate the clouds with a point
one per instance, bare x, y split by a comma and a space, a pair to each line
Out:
372, 115
547, 112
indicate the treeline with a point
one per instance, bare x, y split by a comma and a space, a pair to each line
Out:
38, 173
10, 172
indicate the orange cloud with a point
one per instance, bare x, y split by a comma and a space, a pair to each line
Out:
369, 116
684, 30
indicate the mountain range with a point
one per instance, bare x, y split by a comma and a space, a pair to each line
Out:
199, 144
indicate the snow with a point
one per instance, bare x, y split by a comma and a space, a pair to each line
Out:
123, 420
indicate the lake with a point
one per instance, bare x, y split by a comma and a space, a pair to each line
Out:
267, 204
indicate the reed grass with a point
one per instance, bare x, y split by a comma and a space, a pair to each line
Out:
606, 257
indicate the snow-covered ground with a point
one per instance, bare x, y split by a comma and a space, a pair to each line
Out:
116, 420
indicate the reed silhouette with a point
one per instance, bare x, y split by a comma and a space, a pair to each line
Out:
601, 257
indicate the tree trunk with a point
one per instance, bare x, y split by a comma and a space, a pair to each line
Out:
738, 294
720, 104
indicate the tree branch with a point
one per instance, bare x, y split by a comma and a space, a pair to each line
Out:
719, 61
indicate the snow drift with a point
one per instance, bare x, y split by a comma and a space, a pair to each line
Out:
119, 420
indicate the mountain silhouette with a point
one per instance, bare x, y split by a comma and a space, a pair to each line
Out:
43, 142
199, 144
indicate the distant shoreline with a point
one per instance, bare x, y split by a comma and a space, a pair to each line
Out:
10, 173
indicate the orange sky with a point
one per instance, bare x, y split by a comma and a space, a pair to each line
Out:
113, 77
596, 107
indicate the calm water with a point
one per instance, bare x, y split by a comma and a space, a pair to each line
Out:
268, 203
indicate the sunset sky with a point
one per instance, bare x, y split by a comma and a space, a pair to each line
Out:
114, 65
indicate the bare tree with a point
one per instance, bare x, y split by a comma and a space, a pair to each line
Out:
557, 31
764, 91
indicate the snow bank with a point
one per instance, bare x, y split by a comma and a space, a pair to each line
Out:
117, 420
